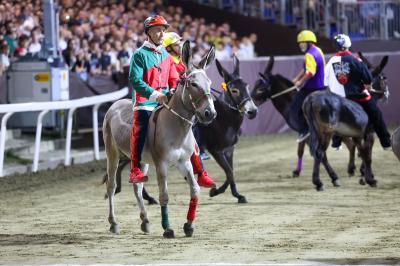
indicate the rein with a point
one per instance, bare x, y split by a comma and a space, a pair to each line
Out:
284, 92
177, 115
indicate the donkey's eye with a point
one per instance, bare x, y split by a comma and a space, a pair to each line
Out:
235, 91
193, 84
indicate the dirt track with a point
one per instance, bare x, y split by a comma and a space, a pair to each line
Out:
61, 217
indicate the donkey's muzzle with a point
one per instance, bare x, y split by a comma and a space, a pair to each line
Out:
207, 115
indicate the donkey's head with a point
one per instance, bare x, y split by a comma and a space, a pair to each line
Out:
262, 90
380, 88
236, 91
196, 95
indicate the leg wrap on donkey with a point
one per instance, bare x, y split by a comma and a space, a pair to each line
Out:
192, 209
164, 217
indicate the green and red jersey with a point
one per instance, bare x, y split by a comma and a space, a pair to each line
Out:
152, 71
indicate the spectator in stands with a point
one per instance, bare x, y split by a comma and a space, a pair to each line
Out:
22, 48
69, 54
105, 59
4, 59
34, 45
309, 79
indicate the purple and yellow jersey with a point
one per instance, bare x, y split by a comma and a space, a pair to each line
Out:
314, 65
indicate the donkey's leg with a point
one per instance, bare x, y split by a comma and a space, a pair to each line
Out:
318, 156
300, 153
112, 164
219, 156
366, 155
332, 174
145, 226
161, 169
121, 165
150, 199
351, 166
186, 169
235, 193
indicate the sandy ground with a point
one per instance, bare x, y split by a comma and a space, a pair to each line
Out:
60, 216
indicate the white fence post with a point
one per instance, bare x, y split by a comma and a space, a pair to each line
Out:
3, 139
96, 131
38, 137
69, 137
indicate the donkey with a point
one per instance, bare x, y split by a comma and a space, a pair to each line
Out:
232, 105
281, 92
169, 140
220, 137
327, 114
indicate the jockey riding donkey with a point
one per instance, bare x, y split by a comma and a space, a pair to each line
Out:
151, 71
309, 79
348, 77
167, 136
355, 116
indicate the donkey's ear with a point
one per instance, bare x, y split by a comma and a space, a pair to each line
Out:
365, 60
235, 65
265, 77
187, 54
207, 60
221, 70
383, 62
270, 65
377, 70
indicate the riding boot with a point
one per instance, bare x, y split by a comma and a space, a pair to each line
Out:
204, 180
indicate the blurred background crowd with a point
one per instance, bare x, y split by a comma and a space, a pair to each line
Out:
98, 37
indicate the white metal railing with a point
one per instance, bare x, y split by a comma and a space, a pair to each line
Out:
44, 108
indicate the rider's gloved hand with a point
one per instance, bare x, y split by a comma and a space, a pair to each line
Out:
162, 99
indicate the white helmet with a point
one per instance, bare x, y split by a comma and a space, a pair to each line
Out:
342, 41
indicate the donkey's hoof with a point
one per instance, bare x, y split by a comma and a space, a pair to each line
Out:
336, 183
213, 192
351, 171
242, 199
114, 228
372, 183
362, 181
169, 233
320, 187
188, 229
296, 173
152, 201
145, 226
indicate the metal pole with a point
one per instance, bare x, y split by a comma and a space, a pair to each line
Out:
327, 18
283, 12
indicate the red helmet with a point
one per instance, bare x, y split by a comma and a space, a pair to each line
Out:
156, 20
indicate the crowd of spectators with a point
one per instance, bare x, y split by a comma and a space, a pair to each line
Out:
98, 37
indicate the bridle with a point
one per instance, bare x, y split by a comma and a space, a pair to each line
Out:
194, 102
275, 95
237, 105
